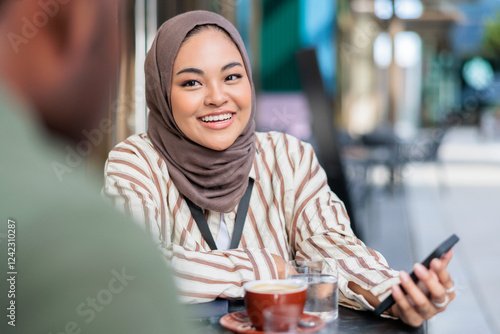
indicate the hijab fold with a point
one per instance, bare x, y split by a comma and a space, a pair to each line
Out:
214, 180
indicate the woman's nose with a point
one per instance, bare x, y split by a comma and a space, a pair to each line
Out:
216, 96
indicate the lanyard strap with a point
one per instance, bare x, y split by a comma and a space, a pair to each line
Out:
241, 215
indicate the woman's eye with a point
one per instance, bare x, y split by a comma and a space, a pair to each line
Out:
190, 83
233, 77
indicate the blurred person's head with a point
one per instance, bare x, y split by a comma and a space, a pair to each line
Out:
60, 56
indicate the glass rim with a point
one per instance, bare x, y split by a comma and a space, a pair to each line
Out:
321, 275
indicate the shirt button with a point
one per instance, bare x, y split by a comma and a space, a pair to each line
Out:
231, 215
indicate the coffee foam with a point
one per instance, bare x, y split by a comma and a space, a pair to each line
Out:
273, 287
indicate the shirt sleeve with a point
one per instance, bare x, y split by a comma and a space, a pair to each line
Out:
201, 274
321, 230
130, 186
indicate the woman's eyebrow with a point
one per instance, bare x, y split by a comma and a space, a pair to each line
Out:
190, 70
198, 71
230, 65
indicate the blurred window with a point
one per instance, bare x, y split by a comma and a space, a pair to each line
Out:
408, 9
382, 50
383, 9
404, 9
407, 49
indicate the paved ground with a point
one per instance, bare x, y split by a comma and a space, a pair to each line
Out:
461, 195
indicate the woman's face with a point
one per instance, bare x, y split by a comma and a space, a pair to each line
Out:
211, 95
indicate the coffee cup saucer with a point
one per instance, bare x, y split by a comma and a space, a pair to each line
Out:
240, 323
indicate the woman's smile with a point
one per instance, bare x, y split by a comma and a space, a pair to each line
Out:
217, 121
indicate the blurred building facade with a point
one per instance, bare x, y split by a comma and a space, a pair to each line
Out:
384, 63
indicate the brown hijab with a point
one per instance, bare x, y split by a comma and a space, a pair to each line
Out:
214, 180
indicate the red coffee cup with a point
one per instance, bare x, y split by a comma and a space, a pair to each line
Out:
276, 296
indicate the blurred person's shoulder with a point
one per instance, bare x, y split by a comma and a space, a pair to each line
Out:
39, 169
89, 266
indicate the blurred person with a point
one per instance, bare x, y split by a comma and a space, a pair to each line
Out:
70, 263
201, 161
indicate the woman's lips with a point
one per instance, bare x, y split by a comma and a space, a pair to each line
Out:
216, 118
217, 122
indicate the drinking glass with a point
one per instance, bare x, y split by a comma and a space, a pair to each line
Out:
322, 291
299, 267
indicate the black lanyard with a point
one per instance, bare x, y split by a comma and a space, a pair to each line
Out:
241, 215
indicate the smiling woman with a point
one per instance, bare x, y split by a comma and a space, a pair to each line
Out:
211, 94
226, 204
208, 163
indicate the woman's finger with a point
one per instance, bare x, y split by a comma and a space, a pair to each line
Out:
437, 292
421, 303
404, 308
429, 279
446, 258
439, 269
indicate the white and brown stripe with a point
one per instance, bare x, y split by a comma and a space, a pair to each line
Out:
293, 213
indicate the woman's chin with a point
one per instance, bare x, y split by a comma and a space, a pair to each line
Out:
219, 145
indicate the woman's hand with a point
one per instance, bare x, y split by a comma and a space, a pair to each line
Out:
430, 297
280, 265
284, 269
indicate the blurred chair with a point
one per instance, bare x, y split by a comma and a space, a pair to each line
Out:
383, 147
325, 133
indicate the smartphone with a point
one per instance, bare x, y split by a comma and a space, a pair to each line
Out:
437, 253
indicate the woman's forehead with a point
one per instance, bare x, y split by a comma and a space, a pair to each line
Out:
210, 34
208, 46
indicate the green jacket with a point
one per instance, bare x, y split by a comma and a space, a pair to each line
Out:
68, 262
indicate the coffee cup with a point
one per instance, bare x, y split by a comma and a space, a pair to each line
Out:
275, 294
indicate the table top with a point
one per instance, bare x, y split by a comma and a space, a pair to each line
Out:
349, 321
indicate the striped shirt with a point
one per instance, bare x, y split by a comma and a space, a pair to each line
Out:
292, 213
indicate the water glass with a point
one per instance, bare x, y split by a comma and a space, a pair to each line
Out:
300, 267
322, 291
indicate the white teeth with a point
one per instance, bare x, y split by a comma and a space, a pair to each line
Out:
217, 118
